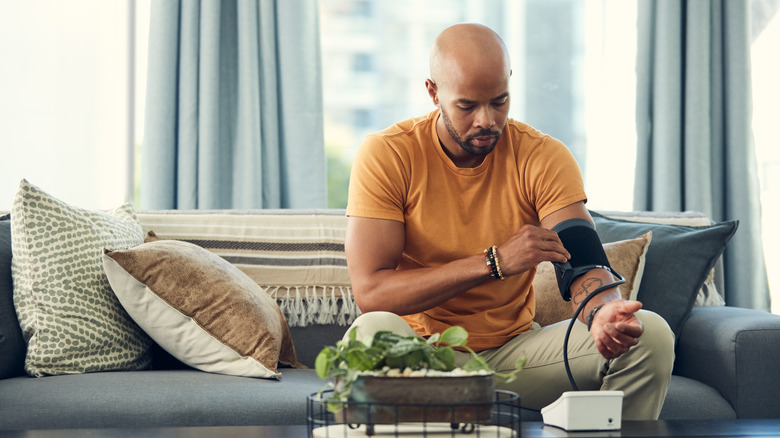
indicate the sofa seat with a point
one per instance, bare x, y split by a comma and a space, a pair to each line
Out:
171, 398
689, 398
155, 399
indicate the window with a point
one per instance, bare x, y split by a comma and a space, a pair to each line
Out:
766, 95
573, 79
66, 85
362, 62
361, 118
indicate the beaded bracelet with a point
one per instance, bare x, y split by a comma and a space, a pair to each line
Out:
491, 259
490, 263
494, 251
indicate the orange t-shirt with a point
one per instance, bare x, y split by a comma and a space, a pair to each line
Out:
403, 174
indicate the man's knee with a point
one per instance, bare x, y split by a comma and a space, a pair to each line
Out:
367, 324
646, 369
657, 342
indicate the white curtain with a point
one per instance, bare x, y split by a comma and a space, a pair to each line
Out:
234, 106
695, 144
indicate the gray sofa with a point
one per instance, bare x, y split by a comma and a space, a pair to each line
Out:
726, 367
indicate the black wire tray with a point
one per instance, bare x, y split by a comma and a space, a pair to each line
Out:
339, 419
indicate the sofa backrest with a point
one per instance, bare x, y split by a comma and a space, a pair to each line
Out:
316, 288
297, 255
12, 345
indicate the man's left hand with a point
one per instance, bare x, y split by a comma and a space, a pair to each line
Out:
615, 328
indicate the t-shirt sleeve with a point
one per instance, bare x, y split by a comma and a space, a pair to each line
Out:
378, 182
554, 177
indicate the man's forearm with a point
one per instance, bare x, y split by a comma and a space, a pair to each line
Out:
585, 285
414, 290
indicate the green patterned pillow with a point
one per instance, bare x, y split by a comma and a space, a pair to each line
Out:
71, 319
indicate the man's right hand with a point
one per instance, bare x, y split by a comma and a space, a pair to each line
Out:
528, 247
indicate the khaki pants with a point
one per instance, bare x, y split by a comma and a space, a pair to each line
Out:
643, 373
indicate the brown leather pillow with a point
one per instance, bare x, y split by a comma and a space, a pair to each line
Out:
201, 309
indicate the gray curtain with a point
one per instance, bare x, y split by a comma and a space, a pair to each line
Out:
234, 106
695, 145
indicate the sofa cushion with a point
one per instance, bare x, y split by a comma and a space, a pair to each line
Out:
69, 315
689, 399
711, 292
143, 399
677, 262
200, 308
627, 257
12, 347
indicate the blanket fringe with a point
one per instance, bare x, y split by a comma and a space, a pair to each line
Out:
307, 305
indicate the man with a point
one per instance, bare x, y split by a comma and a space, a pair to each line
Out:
428, 199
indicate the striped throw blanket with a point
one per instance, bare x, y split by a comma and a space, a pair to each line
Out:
296, 256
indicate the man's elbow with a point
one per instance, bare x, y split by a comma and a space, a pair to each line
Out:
366, 300
366, 306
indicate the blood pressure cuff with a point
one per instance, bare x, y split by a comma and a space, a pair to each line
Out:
579, 237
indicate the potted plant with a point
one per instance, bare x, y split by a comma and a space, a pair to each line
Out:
408, 378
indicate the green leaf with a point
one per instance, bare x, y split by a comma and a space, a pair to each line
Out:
338, 372
406, 346
476, 363
434, 338
333, 407
455, 336
446, 357
386, 338
324, 360
412, 359
375, 355
357, 359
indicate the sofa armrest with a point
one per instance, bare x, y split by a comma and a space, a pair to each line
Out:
734, 350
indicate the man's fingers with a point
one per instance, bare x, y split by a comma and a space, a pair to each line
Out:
557, 245
612, 350
553, 251
629, 306
528, 247
609, 351
555, 256
633, 328
616, 339
603, 349
622, 331
623, 338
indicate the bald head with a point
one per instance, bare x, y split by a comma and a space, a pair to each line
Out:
469, 84
467, 50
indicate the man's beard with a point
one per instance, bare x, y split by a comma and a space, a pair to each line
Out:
465, 144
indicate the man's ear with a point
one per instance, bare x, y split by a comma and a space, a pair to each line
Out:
433, 91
